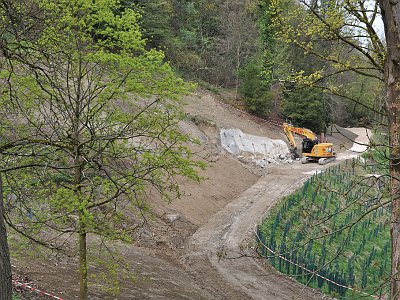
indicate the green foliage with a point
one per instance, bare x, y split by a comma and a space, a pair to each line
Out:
108, 267
265, 68
204, 40
326, 52
185, 30
255, 88
155, 22
312, 45
93, 116
268, 41
306, 107
336, 226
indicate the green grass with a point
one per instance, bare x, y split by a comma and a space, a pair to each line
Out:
335, 226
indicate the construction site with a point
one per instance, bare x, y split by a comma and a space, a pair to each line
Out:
202, 245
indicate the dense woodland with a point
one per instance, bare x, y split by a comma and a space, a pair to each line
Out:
235, 44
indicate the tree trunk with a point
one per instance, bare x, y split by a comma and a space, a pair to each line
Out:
83, 271
391, 19
237, 70
83, 294
394, 190
5, 265
78, 170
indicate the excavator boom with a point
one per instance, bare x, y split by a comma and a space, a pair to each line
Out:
300, 131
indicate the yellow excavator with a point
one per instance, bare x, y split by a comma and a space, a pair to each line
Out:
312, 150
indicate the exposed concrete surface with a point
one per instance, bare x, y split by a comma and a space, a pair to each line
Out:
236, 142
360, 144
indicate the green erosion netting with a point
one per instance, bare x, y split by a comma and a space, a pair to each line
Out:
338, 226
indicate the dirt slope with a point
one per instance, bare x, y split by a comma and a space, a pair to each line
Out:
191, 251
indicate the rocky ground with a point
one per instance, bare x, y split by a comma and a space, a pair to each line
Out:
200, 247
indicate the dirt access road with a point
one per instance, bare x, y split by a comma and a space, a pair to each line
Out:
222, 241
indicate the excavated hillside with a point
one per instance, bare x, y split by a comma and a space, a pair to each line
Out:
199, 247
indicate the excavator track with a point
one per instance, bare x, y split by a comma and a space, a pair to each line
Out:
325, 160
305, 160
321, 161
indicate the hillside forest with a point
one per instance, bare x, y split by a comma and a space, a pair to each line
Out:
238, 45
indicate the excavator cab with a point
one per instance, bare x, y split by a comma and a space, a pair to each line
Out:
308, 145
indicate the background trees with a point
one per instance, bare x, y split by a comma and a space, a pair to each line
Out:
206, 40
247, 45
342, 48
307, 107
299, 47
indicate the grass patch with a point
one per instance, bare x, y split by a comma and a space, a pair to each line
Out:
337, 226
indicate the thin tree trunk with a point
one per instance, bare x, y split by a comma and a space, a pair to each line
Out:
5, 265
237, 71
83, 270
391, 19
83, 294
394, 190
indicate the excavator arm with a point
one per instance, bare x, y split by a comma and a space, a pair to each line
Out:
300, 131
289, 135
